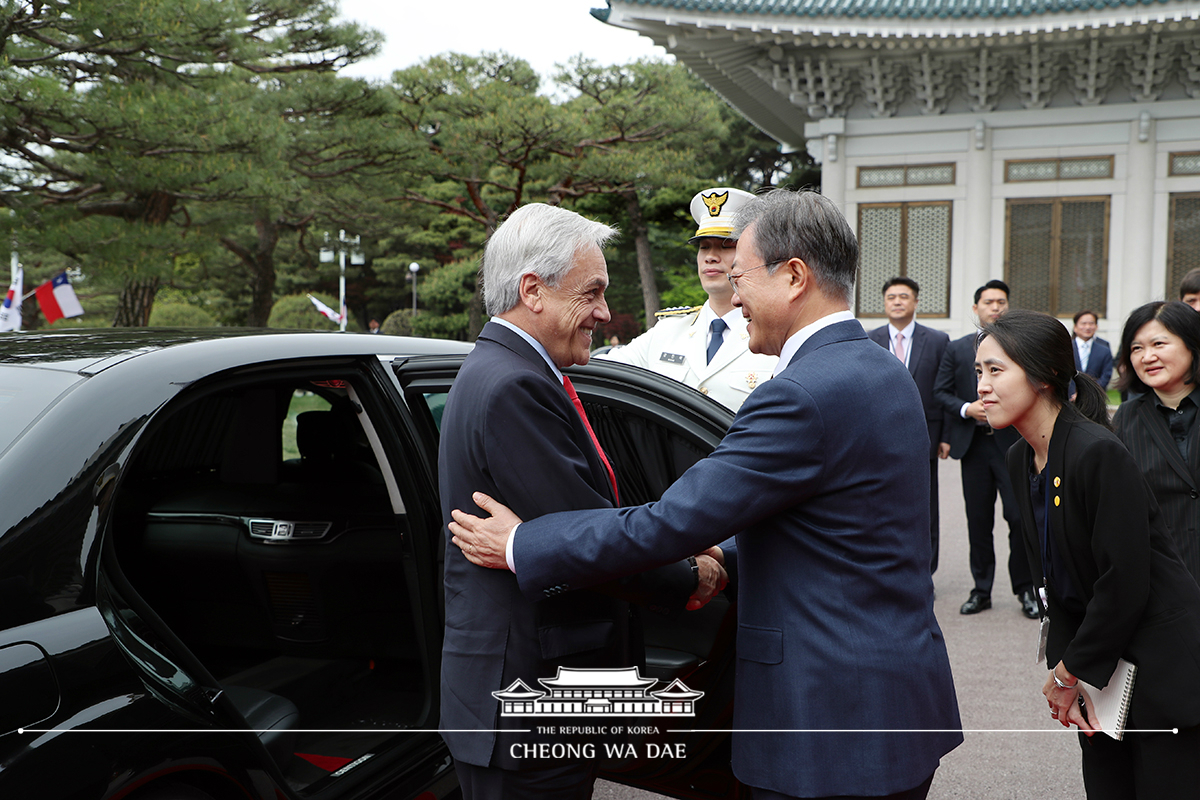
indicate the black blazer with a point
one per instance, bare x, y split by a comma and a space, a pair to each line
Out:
510, 430
956, 384
1140, 601
1100, 362
924, 358
1176, 484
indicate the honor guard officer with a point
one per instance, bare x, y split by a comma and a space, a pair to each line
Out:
705, 346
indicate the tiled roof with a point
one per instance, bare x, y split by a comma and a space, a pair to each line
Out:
895, 9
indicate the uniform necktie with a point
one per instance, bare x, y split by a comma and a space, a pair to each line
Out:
612, 478
900, 346
717, 327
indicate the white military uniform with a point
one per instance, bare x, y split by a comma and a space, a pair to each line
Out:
677, 345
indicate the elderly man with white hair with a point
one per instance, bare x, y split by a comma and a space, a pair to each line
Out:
514, 428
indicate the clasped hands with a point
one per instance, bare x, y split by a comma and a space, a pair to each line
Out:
484, 540
1064, 703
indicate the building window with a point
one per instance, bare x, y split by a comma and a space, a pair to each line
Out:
912, 175
1185, 164
904, 239
1058, 169
1183, 246
1056, 254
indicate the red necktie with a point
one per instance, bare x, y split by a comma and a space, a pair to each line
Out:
612, 478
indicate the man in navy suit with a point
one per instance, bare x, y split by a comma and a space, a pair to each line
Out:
512, 429
823, 480
1092, 354
984, 473
921, 349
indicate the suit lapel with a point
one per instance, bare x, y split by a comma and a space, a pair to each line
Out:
916, 349
1152, 418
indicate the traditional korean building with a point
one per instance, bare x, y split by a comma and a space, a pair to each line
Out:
1051, 143
598, 692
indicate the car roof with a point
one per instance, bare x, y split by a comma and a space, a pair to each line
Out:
92, 350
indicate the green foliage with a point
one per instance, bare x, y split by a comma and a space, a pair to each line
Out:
180, 315
296, 311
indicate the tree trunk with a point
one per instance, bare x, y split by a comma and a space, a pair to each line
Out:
641, 242
135, 303
261, 263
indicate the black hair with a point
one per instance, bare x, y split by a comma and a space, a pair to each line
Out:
1086, 312
1040, 344
992, 284
1178, 318
909, 282
1190, 283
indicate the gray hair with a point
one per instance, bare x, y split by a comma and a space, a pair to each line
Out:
808, 226
535, 239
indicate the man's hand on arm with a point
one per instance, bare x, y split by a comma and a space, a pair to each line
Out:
484, 540
975, 411
713, 579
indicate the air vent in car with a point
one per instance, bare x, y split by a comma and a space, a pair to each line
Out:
279, 530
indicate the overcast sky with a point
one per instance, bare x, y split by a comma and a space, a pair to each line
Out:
543, 32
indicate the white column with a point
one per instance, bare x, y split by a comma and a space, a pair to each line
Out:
1130, 269
977, 268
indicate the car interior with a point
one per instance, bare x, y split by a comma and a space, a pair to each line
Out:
257, 523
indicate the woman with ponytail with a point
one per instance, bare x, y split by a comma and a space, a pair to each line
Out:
1113, 585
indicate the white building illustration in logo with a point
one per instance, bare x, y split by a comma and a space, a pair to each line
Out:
597, 693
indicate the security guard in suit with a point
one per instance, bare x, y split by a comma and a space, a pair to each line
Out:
706, 347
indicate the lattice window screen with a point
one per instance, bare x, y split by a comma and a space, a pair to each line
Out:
1057, 254
1083, 259
1029, 246
1184, 253
906, 239
927, 255
879, 237
930, 174
869, 177
1032, 171
1085, 168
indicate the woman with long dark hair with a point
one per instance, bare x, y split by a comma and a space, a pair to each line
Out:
1114, 586
1160, 356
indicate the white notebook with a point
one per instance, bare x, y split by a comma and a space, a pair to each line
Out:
1111, 704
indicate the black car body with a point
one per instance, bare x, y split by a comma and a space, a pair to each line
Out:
219, 567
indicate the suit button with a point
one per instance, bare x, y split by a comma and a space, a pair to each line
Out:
703, 390
1195, 494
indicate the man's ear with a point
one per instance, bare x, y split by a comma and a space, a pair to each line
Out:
530, 292
800, 277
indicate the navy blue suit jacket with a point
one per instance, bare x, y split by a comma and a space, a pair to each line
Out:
1100, 362
510, 430
835, 614
924, 358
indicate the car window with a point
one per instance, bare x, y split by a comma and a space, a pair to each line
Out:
436, 403
302, 400
25, 394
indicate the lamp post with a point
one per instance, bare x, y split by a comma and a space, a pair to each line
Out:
414, 268
343, 244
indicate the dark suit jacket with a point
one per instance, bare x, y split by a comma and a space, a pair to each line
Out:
1139, 602
510, 430
835, 605
924, 358
1100, 362
957, 384
1176, 484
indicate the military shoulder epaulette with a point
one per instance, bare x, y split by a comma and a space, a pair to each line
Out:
678, 311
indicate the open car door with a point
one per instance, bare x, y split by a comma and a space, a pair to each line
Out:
652, 429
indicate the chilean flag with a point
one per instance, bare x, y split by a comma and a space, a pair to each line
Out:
57, 299
10, 310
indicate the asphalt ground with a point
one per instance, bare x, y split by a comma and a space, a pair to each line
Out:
1012, 750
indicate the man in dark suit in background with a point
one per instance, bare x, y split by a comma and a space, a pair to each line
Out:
1092, 354
921, 349
984, 474
843, 686
512, 428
